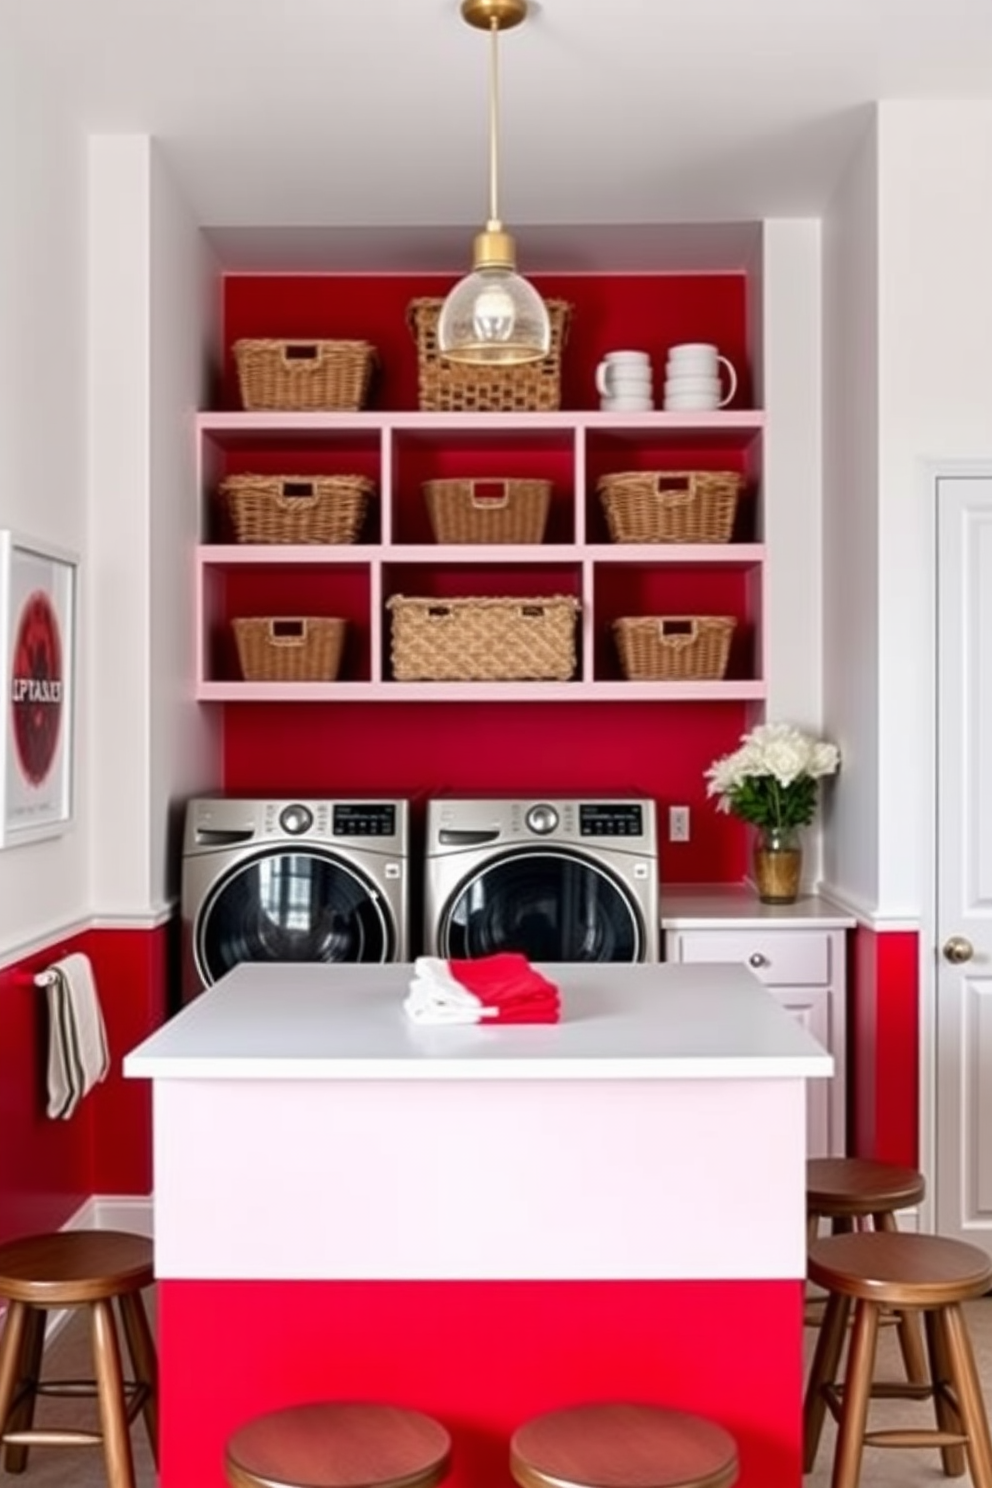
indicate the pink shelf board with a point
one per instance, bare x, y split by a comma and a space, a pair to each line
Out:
281, 420
731, 555
477, 692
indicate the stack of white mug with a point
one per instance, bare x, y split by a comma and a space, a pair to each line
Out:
692, 377
623, 381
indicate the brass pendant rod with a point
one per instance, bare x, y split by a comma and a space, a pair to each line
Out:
494, 222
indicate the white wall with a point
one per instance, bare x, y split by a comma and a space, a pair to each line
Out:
185, 341
119, 496
150, 318
851, 357
935, 403
791, 376
44, 886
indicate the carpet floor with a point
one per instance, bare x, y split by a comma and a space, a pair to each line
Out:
82, 1467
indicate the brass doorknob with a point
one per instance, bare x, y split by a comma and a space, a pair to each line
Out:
957, 950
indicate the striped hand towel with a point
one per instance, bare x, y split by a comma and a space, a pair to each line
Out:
78, 1057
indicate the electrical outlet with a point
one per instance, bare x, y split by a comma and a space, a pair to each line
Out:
678, 824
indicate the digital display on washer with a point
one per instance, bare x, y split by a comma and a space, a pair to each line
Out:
610, 821
364, 821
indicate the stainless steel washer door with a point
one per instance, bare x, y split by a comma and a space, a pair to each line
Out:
551, 904
292, 906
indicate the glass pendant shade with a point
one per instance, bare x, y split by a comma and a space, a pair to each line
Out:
494, 317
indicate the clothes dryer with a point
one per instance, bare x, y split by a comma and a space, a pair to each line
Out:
558, 879
292, 880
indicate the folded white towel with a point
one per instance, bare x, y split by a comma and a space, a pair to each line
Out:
78, 1057
436, 996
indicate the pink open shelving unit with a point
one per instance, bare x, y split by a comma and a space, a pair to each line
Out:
396, 555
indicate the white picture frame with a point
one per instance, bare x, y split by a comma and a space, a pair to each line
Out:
37, 644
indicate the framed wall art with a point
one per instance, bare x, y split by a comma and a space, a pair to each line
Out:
37, 643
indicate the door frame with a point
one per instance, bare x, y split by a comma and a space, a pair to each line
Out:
933, 472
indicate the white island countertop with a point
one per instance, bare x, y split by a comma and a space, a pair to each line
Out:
333, 1022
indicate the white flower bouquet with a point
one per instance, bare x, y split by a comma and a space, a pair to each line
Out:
772, 780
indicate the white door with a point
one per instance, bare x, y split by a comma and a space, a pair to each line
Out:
963, 1175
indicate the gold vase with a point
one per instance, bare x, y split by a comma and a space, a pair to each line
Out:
778, 866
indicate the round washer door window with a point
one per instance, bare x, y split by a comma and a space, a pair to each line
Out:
552, 906
301, 906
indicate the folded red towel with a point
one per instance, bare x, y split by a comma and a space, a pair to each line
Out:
508, 982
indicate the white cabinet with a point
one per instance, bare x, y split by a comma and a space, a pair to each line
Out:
803, 965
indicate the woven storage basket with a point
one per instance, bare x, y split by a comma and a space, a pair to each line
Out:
673, 506
450, 387
296, 508
289, 649
304, 374
679, 648
488, 511
470, 640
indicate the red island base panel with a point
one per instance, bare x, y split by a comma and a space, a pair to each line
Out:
482, 1356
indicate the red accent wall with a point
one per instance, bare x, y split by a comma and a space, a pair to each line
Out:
660, 750
49, 1168
648, 311
482, 1357
534, 748
884, 1052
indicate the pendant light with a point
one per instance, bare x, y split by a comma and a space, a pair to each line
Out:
494, 317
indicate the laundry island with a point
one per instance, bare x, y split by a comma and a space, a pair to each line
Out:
476, 1221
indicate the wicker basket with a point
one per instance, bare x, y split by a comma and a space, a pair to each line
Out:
483, 639
296, 508
289, 649
304, 374
488, 511
451, 387
674, 648
671, 506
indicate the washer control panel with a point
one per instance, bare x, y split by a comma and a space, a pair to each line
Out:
356, 819
610, 821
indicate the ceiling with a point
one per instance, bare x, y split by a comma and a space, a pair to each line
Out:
359, 116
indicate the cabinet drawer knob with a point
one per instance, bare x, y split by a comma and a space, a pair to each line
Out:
756, 959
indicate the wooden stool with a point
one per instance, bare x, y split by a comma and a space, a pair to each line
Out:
339, 1445
855, 1193
78, 1268
923, 1273
622, 1446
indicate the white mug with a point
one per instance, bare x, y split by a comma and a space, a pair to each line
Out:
698, 359
622, 367
626, 387
627, 404
695, 402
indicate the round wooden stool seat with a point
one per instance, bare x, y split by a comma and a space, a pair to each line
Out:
855, 1186
619, 1445
94, 1270
75, 1266
339, 1444
903, 1270
872, 1271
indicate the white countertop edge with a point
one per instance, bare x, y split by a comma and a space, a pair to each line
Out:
737, 907
678, 1068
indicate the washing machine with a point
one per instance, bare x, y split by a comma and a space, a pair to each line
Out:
292, 880
559, 880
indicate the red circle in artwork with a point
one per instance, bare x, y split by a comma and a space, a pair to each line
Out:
37, 687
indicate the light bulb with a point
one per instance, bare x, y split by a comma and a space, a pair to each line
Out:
494, 315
